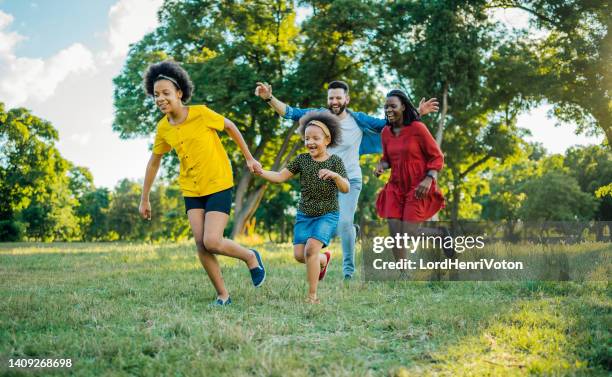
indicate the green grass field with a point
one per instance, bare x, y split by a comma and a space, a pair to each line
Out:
139, 309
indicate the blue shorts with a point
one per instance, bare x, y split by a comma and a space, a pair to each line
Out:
219, 201
321, 228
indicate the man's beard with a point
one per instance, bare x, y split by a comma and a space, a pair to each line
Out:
340, 109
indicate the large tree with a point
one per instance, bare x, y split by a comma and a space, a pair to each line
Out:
452, 51
575, 58
227, 47
35, 195
592, 168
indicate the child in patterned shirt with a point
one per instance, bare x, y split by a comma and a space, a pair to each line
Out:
321, 177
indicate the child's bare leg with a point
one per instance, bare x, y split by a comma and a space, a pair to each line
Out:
298, 253
207, 259
312, 250
217, 244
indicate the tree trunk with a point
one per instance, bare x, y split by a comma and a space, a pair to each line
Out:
603, 120
248, 210
456, 193
440, 131
246, 204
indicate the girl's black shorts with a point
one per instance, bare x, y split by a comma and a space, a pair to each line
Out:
219, 201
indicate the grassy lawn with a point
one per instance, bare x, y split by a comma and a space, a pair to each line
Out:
140, 309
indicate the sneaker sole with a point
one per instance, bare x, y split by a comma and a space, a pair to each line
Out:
262, 267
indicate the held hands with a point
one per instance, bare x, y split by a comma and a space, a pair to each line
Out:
380, 168
254, 166
423, 188
328, 174
145, 209
263, 90
429, 106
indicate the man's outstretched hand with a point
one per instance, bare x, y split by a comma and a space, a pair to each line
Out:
263, 90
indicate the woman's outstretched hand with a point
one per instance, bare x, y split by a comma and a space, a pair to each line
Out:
380, 168
429, 106
423, 188
145, 209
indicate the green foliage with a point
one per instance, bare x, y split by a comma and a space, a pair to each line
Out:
34, 178
556, 196
168, 220
371, 185
451, 51
574, 59
428, 48
443, 47
592, 168
93, 211
123, 216
276, 215
11, 230
227, 48
44, 197
554, 187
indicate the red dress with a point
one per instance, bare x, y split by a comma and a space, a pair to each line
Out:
411, 154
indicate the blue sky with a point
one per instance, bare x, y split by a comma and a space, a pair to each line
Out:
58, 58
50, 25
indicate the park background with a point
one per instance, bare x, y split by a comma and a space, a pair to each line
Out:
486, 73
75, 136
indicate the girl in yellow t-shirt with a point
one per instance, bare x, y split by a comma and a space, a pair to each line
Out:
205, 171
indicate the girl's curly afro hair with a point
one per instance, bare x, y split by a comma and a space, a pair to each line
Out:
170, 69
330, 120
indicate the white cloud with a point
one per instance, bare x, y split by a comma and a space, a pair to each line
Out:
26, 80
130, 20
81, 139
555, 139
8, 40
73, 90
516, 19
23, 79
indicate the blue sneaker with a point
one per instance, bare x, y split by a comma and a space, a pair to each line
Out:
258, 274
219, 302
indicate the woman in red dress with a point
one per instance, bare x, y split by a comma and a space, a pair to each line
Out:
411, 196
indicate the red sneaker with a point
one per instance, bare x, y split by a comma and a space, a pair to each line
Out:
324, 270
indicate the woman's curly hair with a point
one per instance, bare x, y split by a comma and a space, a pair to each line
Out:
170, 69
330, 120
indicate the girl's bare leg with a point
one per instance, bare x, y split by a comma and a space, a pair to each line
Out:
207, 259
215, 243
298, 254
312, 251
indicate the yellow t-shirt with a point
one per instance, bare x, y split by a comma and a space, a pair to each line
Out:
205, 167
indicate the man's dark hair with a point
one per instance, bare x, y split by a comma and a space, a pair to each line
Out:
410, 112
338, 85
331, 121
170, 69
